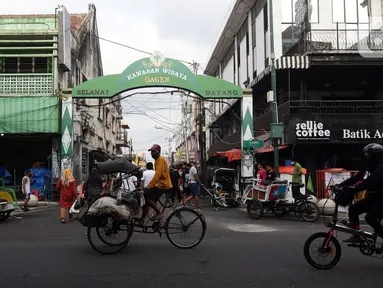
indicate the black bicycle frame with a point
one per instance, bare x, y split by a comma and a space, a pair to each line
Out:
334, 226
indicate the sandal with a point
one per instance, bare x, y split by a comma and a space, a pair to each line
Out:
156, 217
63, 221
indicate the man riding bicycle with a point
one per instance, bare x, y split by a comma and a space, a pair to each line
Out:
160, 184
372, 204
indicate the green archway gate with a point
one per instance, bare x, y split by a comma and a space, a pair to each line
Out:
157, 71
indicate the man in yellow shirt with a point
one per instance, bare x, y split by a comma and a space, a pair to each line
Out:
160, 183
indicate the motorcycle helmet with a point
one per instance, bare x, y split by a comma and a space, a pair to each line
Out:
372, 155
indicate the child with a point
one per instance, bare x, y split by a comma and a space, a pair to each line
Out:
219, 197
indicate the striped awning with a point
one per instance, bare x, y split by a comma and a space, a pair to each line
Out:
293, 62
285, 62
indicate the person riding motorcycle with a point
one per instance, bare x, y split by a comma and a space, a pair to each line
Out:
372, 204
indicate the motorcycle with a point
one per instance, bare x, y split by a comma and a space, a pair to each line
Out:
8, 201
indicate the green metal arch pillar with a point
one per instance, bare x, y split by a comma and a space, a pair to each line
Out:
247, 134
66, 133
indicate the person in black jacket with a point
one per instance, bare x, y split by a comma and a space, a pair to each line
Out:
271, 176
372, 204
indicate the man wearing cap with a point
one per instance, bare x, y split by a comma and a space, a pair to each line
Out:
160, 183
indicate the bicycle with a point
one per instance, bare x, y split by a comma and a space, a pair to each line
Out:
368, 245
116, 214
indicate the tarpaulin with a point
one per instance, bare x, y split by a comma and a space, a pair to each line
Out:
232, 155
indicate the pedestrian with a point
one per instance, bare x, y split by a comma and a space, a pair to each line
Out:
26, 188
296, 178
68, 193
261, 173
194, 186
271, 176
147, 175
185, 180
175, 177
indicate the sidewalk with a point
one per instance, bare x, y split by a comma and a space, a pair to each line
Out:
342, 213
41, 206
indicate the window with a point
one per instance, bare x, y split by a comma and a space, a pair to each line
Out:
247, 44
25, 65
100, 108
265, 17
239, 56
349, 11
254, 34
314, 15
228, 56
242, 32
292, 11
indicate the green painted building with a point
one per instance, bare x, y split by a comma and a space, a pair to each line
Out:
42, 56
29, 108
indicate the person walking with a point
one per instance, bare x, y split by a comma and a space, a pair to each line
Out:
26, 188
194, 186
68, 193
175, 177
147, 175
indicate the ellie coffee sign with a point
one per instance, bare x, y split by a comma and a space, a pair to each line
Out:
311, 130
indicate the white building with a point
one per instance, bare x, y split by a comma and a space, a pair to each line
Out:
97, 128
186, 139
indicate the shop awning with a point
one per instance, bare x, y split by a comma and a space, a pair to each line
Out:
270, 149
232, 155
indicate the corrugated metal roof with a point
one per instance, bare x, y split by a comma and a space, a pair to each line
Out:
75, 19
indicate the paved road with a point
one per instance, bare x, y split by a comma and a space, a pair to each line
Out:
237, 252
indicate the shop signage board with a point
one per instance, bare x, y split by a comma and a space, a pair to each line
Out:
311, 130
253, 144
318, 131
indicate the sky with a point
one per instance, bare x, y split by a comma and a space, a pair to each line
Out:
185, 30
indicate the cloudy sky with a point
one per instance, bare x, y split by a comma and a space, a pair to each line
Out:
186, 30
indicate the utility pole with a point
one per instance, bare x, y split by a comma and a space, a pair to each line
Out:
276, 128
201, 125
184, 129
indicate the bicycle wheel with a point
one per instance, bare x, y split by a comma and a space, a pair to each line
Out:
4, 216
309, 211
279, 211
334, 249
113, 236
177, 224
255, 209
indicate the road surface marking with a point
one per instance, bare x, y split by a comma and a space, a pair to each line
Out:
250, 228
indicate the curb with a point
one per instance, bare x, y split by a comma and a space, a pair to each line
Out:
41, 203
341, 214
19, 212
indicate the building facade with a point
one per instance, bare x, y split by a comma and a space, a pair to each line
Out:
186, 137
327, 57
40, 56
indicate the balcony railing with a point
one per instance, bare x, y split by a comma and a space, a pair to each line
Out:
325, 40
310, 107
26, 84
122, 138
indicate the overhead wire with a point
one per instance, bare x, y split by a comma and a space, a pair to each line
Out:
125, 46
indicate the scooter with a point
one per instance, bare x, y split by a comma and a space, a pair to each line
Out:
8, 201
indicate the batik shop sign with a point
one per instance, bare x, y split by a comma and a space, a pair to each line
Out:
362, 134
311, 130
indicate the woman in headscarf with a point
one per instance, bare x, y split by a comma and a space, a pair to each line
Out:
68, 192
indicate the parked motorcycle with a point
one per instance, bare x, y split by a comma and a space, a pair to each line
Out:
8, 201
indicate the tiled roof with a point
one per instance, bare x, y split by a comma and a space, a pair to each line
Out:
75, 19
